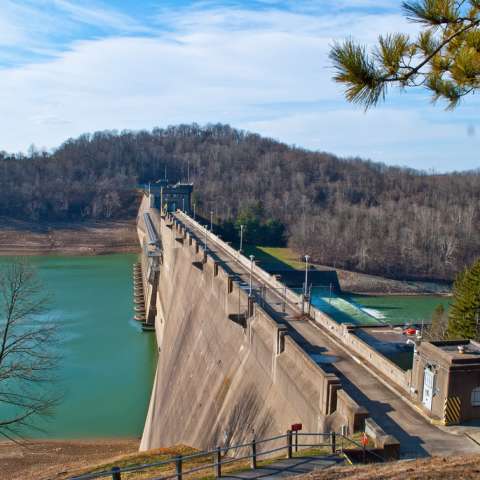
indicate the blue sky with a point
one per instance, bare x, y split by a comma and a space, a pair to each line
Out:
70, 66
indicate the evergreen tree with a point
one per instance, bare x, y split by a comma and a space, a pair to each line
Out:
444, 58
464, 317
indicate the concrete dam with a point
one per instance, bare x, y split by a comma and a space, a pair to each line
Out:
240, 355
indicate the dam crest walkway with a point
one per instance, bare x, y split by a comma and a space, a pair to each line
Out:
417, 436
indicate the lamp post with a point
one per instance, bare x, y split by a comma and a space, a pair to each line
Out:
194, 207
211, 220
206, 233
241, 238
252, 257
305, 292
183, 209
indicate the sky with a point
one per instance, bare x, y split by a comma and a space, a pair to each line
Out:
69, 67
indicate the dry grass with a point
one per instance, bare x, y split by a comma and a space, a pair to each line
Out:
436, 468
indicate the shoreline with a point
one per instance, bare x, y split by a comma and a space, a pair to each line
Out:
19, 238
91, 238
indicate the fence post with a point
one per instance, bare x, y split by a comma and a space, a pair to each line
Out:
218, 462
289, 444
178, 467
253, 459
116, 474
334, 442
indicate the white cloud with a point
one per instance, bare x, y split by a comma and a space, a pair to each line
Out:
267, 71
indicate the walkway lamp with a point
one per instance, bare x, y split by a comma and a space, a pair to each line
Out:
206, 233
305, 293
241, 237
252, 257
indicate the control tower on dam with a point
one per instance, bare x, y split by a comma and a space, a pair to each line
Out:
238, 356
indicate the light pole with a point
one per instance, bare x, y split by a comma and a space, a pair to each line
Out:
251, 274
206, 233
194, 207
305, 292
211, 220
183, 199
241, 238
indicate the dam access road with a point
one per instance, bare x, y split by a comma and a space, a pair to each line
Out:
417, 436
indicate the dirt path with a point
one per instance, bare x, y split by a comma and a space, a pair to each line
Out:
55, 459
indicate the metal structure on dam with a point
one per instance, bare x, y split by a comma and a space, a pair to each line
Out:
237, 356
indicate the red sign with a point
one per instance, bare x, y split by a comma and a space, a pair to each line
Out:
296, 427
364, 440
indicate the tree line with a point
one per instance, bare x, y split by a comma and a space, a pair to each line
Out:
347, 213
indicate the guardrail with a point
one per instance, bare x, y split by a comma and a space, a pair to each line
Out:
333, 441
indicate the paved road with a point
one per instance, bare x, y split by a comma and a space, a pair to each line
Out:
289, 468
417, 436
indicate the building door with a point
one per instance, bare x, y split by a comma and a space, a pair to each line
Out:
428, 380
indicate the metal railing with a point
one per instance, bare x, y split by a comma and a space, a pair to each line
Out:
333, 441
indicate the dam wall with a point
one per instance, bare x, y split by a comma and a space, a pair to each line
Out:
344, 333
226, 370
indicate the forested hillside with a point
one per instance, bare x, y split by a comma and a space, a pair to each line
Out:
347, 213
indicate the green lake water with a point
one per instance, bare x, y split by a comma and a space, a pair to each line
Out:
108, 363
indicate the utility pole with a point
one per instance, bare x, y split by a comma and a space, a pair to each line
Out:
241, 238
252, 257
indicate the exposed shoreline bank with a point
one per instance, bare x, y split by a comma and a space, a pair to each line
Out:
19, 238
361, 284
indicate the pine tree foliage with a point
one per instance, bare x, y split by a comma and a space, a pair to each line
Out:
444, 58
464, 317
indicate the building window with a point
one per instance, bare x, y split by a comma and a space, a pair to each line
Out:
476, 397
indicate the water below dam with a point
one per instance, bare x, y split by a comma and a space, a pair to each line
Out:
378, 310
108, 363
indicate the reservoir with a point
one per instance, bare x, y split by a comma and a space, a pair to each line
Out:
108, 363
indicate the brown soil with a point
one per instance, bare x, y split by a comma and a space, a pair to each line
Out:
361, 283
436, 468
55, 459
73, 238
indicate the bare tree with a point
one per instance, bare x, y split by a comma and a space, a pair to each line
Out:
27, 350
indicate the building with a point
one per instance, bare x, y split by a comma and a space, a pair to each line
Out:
171, 197
447, 377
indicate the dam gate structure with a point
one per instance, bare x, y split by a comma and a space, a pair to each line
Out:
239, 357
227, 368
